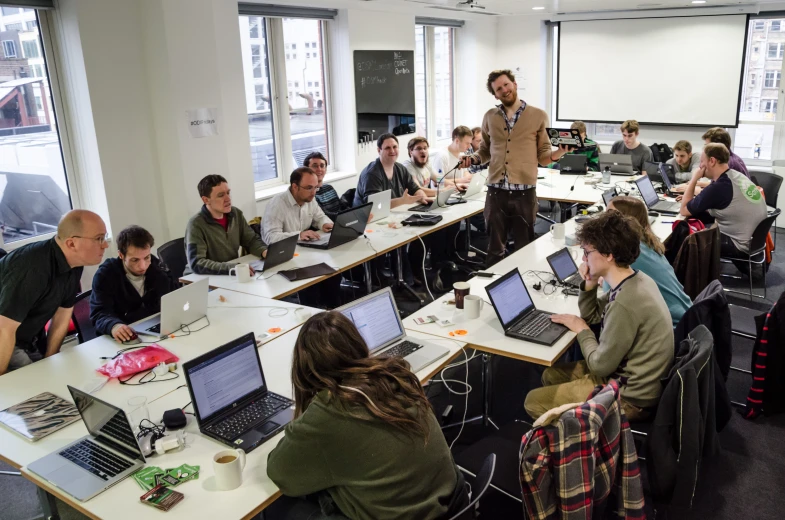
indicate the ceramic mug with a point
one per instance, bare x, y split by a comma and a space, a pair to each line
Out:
461, 290
557, 230
242, 272
472, 305
228, 466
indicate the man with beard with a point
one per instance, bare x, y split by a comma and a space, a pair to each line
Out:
419, 165
515, 142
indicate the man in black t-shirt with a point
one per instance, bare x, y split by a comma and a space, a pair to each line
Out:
39, 282
385, 174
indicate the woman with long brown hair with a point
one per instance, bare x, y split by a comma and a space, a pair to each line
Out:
364, 437
652, 259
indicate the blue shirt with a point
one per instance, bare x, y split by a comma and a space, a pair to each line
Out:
658, 269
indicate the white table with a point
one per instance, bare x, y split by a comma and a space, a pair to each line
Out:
573, 188
202, 500
238, 315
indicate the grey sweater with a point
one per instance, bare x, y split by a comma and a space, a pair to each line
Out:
636, 340
210, 248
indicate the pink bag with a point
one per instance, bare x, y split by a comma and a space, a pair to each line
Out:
135, 361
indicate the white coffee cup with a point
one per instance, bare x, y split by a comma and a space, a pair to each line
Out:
557, 230
472, 305
228, 466
242, 272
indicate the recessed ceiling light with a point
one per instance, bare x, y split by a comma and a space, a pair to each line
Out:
698, 1
538, 8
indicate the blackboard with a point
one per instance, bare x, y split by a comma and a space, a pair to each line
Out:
384, 82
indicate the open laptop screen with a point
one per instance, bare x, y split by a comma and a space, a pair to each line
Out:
647, 191
510, 297
225, 378
608, 195
562, 264
376, 318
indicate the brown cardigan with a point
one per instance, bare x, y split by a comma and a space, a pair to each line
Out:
518, 153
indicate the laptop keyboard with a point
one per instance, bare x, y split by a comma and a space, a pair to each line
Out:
534, 326
155, 328
96, 459
253, 414
402, 349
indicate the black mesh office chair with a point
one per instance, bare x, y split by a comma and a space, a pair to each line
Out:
756, 255
172, 254
771, 183
481, 483
81, 317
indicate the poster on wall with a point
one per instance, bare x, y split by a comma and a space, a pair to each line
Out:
202, 122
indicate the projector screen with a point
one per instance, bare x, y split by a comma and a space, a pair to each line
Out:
669, 71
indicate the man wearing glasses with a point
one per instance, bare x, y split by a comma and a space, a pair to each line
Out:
295, 212
635, 344
39, 282
214, 236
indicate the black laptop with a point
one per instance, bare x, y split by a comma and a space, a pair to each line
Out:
652, 200
348, 225
277, 253
573, 164
517, 314
563, 266
230, 397
607, 195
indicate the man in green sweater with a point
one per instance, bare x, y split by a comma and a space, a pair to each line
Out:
636, 334
214, 236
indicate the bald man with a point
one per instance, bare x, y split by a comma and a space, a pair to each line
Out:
39, 282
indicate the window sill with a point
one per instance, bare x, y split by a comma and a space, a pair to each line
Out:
272, 191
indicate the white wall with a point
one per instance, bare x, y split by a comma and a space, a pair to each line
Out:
522, 44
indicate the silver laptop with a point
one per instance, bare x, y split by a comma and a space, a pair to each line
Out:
439, 202
97, 461
376, 317
381, 204
179, 308
619, 163
475, 186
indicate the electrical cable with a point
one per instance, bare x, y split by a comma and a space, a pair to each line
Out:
424, 277
466, 401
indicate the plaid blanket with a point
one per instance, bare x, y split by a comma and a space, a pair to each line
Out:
568, 470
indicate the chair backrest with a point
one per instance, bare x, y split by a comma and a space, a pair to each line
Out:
172, 254
481, 483
758, 241
81, 317
770, 182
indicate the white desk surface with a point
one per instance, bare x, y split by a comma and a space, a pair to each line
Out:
380, 239
573, 188
75, 366
485, 333
202, 500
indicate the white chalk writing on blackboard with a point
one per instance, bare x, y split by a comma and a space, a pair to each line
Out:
372, 80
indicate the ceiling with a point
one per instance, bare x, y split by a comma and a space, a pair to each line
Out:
524, 7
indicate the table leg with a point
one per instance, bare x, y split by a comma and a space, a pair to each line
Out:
401, 283
48, 504
368, 277
486, 389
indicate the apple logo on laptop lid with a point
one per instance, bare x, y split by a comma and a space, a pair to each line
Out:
187, 306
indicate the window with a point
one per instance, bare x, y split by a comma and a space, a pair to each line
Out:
8, 11
769, 106
256, 60
434, 78
32, 25
772, 79
752, 80
760, 25
776, 51
776, 25
14, 27
9, 49
253, 27
30, 48
313, 45
307, 44
756, 49
29, 132
749, 106
286, 126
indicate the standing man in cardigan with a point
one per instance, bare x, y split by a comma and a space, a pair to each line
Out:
515, 142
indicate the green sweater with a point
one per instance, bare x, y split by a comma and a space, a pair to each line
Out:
210, 248
636, 339
372, 470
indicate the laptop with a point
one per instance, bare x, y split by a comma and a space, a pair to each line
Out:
348, 225
666, 170
563, 266
231, 402
608, 195
573, 164
652, 200
179, 309
565, 136
519, 318
97, 461
619, 163
376, 317
475, 186
277, 253
381, 204
439, 202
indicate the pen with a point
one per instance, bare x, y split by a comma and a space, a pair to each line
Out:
667, 222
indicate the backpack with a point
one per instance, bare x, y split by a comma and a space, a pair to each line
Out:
661, 152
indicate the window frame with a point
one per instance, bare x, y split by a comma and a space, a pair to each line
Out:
429, 58
13, 44
280, 85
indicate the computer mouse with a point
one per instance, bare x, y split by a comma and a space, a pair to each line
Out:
654, 214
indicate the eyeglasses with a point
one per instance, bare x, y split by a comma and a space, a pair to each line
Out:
587, 253
100, 240
307, 188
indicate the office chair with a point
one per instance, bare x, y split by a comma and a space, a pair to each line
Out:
481, 482
756, 255
81, 317
172, 254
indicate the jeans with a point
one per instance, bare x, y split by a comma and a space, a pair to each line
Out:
318, 506
21, 358
507, 210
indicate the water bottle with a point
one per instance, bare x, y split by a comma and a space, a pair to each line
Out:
606, 175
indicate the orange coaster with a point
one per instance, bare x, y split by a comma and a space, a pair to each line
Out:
297, 254
369, 230
461, 332
274, 330
451, 333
